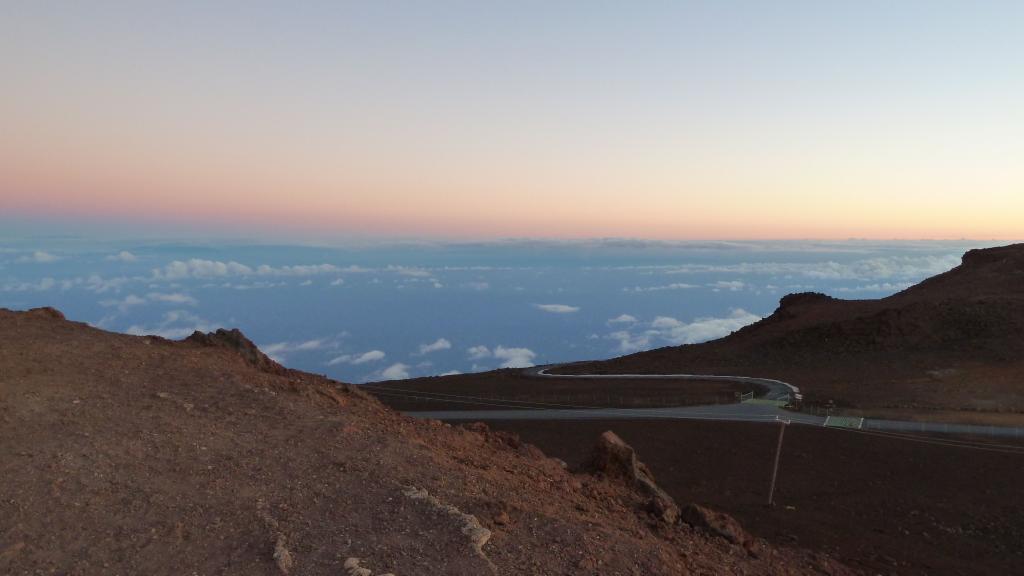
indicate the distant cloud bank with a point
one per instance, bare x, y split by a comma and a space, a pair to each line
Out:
557, 308
39, 257
510, 357
668, 330
397, 371
357, 359
122, 256
435, 346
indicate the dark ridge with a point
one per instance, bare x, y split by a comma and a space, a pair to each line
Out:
46, 312
234, 340
990, 256
804, 299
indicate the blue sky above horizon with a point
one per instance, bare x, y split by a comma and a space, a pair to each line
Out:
393, 310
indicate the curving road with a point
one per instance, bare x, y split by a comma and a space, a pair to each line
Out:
777, 389
766, 408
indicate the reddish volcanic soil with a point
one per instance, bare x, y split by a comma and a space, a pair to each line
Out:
137, 455
888, 506
472, 392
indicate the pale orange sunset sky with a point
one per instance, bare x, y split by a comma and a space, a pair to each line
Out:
477, 120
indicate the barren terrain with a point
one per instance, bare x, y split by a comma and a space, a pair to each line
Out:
886, 505
513, 386
138, 455
950, 349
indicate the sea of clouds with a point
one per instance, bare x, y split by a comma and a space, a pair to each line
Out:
400, 310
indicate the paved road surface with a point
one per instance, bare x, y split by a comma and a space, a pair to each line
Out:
764, 409
776, 389
743, 412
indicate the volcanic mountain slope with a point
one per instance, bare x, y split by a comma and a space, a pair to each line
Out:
138, 455
953, 341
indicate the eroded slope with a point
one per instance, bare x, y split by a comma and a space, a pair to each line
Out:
137, 455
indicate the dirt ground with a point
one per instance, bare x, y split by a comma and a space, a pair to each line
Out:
477, 392
885, 505
137, 455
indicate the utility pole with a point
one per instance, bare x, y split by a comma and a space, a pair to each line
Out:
775, 468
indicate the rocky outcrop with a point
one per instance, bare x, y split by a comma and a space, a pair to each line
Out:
613, 458
468, 524
46, 312
234, 340
718, 523
804, 299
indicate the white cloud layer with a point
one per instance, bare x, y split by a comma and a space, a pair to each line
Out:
878, 268
132, 301
510, 357
668, 330
174, 325
200, 268
730, 285
356, 359
371, 356
876, 287
42, 285
411, 272
122, 256
622, 319
279, 351
514, 357
663, 287
557, 308
39, 257
397, 371
435, 346
478, 352
302, 270
123, 305
172, 298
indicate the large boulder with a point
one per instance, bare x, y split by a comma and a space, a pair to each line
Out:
613, 458
718, 523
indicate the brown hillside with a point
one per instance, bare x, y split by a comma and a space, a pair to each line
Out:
137, 455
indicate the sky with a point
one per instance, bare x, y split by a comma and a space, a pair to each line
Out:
482, 120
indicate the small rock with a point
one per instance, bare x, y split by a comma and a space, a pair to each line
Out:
354, 569
12, 550
282, 556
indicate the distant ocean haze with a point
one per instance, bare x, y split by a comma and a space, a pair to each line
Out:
399, 310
